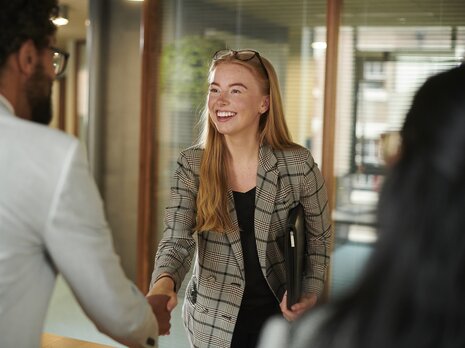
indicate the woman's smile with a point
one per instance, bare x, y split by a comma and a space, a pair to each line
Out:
224, 116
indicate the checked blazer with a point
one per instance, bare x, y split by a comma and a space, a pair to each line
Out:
214, 293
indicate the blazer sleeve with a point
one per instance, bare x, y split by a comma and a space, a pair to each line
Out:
80, 245
177, 246
314, 199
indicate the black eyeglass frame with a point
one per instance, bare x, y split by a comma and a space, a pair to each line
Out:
236, 54
65, 56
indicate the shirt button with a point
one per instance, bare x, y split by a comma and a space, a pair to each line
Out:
150, 342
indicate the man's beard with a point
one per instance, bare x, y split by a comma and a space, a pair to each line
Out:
39, 95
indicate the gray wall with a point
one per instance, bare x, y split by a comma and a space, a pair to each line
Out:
117, 119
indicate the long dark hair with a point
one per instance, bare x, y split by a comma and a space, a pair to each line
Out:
412, 293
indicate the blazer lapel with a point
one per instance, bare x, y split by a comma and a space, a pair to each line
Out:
267, 179
234, 235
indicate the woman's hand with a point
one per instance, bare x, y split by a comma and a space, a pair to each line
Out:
305, 303
163, 300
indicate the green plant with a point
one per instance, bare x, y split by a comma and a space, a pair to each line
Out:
184, 68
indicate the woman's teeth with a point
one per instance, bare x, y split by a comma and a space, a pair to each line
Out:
225, 113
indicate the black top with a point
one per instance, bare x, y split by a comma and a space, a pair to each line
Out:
258, 302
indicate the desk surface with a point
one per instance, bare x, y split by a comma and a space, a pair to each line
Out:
54, 341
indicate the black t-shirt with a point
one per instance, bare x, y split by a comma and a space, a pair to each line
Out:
258, 302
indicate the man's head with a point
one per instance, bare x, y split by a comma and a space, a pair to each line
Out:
26, 56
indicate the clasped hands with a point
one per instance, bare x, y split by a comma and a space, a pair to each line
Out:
163, 300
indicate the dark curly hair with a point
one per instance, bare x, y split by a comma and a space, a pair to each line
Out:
23, 20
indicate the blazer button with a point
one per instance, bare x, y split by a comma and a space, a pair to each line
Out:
193, 294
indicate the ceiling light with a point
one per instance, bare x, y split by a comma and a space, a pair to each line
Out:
319, 45
62, 16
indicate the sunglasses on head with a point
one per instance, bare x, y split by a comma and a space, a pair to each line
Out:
242, 55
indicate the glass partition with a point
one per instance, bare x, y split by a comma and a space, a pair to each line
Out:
387, 50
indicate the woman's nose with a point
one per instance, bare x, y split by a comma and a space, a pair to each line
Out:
222, 99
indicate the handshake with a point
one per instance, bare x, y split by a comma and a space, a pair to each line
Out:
159, 304
162, 298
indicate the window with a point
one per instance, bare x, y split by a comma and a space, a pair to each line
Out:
387, 49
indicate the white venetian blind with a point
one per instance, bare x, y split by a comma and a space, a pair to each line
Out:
387, 50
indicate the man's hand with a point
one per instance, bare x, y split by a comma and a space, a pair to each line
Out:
163, 315
163, 300
305, 303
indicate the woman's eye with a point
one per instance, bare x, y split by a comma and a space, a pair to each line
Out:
213, 90
235, 91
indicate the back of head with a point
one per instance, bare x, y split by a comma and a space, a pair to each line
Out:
411, 294
434, 129
24, 20
421, 215
427, 185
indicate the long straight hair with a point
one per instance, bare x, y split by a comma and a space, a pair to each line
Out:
412, 292
212, 197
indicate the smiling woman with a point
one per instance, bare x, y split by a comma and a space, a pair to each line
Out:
236, 103
230, 201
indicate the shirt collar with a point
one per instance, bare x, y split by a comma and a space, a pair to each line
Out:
7, 104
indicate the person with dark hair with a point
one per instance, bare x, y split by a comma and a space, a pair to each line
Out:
51, 215
412, 291
230, 201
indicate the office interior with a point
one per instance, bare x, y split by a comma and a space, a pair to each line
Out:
136, 84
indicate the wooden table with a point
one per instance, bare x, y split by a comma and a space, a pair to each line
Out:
54, 341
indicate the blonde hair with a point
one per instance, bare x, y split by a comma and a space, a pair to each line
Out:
212, 197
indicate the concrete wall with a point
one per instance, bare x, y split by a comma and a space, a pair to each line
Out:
120, 113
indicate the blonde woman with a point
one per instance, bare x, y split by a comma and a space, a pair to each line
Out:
230, 199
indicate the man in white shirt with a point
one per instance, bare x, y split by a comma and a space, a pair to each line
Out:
51, 215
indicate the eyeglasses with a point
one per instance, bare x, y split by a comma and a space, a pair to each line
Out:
242, 55
60, 59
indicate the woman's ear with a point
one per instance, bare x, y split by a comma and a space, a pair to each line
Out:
27, 57
265, 105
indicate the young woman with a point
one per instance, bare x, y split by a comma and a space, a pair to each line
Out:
230, 200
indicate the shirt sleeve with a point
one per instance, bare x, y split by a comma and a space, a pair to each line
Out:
80, 246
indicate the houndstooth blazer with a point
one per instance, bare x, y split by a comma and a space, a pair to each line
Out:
214, 292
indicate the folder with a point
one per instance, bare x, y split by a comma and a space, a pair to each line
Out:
294, 250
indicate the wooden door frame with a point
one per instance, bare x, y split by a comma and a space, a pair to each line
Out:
333, 15
149, 148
